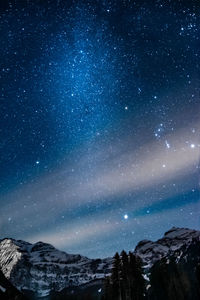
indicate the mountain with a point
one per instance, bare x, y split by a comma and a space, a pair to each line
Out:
41, 268
151, 252
170, 267
169, 264
177, 275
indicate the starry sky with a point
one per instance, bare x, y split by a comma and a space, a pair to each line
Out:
99, 121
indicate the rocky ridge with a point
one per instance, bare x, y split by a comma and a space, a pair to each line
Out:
41, 268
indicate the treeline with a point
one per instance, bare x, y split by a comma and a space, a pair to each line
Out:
175, 277
126, 281
172, 281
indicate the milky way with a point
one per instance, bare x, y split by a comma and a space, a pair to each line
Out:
99, 121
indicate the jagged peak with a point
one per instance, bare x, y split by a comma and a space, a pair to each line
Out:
14, 241
174, 228
143, 243
173, 239
48, 266
47, 261
41, 246
180, 232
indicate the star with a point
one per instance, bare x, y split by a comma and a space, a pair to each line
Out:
167, 144
95, 136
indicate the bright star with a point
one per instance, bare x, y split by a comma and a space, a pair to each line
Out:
192, 146
37, 162
126, 107
125, 216
167, 144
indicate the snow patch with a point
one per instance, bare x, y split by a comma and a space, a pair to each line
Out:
2, 289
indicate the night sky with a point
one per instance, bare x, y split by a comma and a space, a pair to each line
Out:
99, 121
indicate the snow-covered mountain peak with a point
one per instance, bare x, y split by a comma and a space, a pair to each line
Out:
172, 240
9, 251
40, 267
41, 246
181, 233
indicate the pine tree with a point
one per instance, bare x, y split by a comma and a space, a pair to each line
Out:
106, 289
115, 278
126, 281
124, 276
137, 282
198, 273
198, 277
168, 281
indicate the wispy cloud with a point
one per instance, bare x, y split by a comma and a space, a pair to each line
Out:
117, 173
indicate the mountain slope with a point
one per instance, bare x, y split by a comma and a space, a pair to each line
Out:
41, 268
170, 267
151, 252
177, 275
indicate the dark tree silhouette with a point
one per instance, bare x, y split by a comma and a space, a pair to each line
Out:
167, 281
126, 281
115, 277
137, 282
124, 275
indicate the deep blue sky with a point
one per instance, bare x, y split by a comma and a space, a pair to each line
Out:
99, 124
